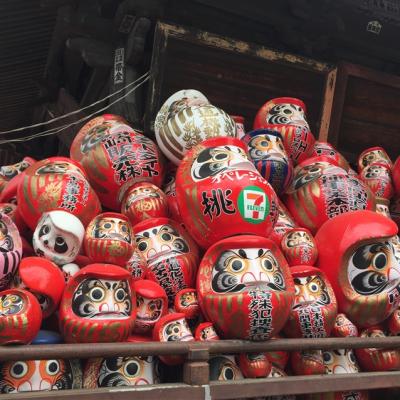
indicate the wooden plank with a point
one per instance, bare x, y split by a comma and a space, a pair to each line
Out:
250, 388
83, 350
327, 104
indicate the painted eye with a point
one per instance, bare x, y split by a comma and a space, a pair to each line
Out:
60, 245
131, 369
166, 237
379, 261
107, 225
227, 373
44, 230
52, 367
124, 228
351, 356
314, 287
328, 357
267, 264
264, 143
220, 156
237, 266
19, 369
97, 294
215, 166
7, 303
120, 294
142, 246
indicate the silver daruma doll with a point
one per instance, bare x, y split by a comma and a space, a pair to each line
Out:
220, 193
245, 288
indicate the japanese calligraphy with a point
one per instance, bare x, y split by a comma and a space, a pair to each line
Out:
217, 203
260, 313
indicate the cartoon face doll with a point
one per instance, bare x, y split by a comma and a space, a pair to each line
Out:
321, 190
43, 279
170, 254
142, 201
58, 237
356, 253
224, 368
10, 250
172, 328
245, 288
287, 115
186, 302
314, 309
98, 305
205, 331
109, 239
152, 304
220, 193
20, 316
373, 155
374, 359
299, 248
266, 151
119, 371
342, 361
39, 375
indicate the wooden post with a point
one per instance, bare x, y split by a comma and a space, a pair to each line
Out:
196, 367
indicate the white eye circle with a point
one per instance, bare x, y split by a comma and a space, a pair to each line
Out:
97, 294
328, 357
19, 369
120, 295
132, 368
313, 288
52, 367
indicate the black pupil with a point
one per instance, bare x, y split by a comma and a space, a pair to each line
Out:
18, 369
46, 229
286, 111
59, 240
166, 236
228, 374
327, 357
221, 156
132, 369
142, 246
107, 225
96, 294
237, 265
380, 261
123, 229
264, 143
268, 265
53, 367
120, 294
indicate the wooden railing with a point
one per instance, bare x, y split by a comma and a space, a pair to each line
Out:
196, 384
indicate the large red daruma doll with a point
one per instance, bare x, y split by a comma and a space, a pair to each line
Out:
321, 190
98, 305
287, 115
220, 193
121, 156
356, 254
56, 183
245, 288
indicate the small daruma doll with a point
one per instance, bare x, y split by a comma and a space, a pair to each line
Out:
98, 305
379, 179
299, 248
254, 365
220, 193
170, 254
186, 302
172, 328
10, 250
288, 116
374, 155
43, 279
356, 254
266, 151
152, 304
20, 316
205, 331
314, 309
142, 201
245, 288
343, 327
374, 359
119, 371
58, 236
109, 239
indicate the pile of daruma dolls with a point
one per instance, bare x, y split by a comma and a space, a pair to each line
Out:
212, 234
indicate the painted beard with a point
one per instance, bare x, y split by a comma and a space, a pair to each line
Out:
102, 299
240, 269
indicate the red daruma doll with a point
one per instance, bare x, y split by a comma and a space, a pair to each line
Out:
245, 288
98, 305
220, 193
170, 254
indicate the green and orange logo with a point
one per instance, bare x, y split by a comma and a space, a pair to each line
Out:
253, 204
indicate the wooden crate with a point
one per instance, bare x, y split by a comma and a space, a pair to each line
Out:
237, 76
